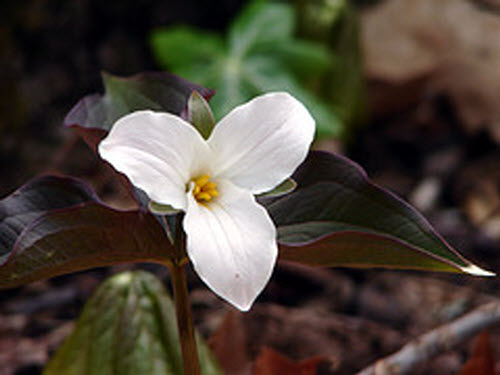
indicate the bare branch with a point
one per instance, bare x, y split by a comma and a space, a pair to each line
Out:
435, 342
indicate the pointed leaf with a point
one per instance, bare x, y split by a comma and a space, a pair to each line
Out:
338, 217
200, 115
55, 225
94, 115
127, 327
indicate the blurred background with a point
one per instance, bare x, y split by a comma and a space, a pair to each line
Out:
407, 88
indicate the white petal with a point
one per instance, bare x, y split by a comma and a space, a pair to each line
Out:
260, 144
158, 152
231, 242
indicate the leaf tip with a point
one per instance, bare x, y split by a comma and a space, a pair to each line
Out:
476, 271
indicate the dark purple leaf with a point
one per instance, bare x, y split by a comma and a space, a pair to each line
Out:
338, 217
56, 225
93, 116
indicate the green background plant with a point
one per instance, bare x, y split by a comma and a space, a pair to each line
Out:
259, 54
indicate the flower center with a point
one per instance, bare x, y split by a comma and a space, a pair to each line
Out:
204, 190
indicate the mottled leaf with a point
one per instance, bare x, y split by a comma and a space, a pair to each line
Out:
128, 327
56, 225
337, 217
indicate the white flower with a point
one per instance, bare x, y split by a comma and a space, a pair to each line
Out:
231, 240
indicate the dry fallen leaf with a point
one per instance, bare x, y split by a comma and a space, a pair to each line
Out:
270, 362
229, 345
481, 360
420, 47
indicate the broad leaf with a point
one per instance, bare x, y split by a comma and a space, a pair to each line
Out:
93, 116
337, 217
260, 23
259, 55
54, 225
127, 327
177, 46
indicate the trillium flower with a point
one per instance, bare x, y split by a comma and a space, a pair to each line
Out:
231, 240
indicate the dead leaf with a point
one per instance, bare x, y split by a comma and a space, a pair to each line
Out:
450, 47
481, 360
270, 362
478, 191
229, 345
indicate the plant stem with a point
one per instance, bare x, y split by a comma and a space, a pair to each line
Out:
184, 320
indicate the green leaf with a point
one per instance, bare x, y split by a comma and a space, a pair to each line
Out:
338, 217
55, 225
174, 46
200, 115
127, 327
335, 24
93, 116
303, 58
266, 74
261, 55
162, 209
285, 187
258, 24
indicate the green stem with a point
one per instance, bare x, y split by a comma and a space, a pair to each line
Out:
184, 320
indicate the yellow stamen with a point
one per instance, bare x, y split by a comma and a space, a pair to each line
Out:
201, 181
212, 192
204, 190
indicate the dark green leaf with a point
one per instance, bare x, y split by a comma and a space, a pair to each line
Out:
200, 115
337, 217
93, 116
56, 225
128, 327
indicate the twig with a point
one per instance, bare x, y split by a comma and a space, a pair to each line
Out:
436, 341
